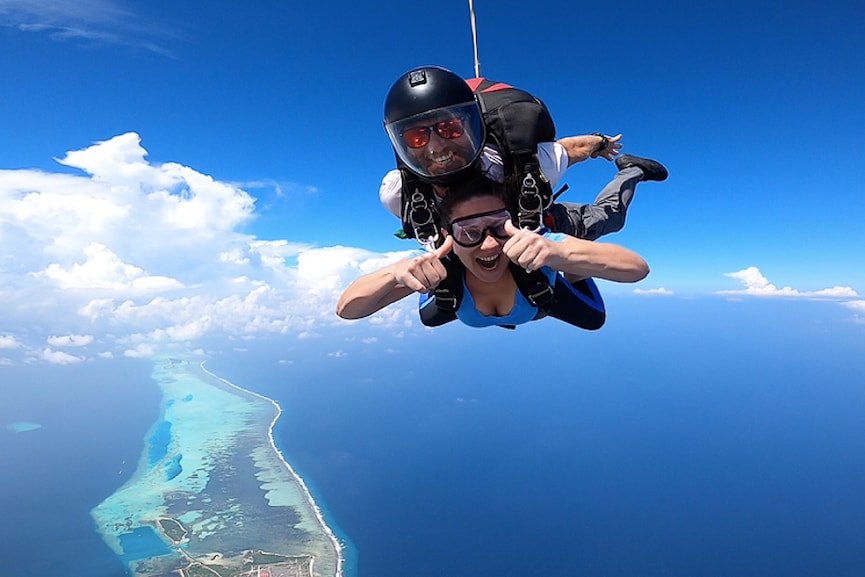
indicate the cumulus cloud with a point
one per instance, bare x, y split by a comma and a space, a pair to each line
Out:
140, 256
140, 351
104, 269
58, 357
70, 340
757, 285
656, 291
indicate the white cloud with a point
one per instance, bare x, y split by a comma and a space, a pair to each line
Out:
144, 256
58, 357
103, 269
70, 340
334, 267
758, 285
140, 351
858, 306
100, 21
655, 291
9, 342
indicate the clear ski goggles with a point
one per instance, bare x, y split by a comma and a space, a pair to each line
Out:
470, 231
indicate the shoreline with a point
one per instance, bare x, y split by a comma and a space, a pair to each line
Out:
338, 547
211, 469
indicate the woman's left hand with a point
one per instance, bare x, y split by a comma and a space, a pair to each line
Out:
528, 249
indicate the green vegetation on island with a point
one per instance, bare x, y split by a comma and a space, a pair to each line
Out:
173, 529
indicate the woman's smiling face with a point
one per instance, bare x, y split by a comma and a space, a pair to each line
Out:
486, 260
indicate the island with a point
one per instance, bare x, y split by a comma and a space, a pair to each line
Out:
23, 427
212, 495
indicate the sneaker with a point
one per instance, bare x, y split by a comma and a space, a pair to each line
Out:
652, 170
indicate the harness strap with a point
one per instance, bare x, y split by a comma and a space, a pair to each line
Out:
449, 293
420, 213
535, 195
534, 287
578, 304
446, 296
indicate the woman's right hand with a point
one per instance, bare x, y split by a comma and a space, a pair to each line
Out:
424, 273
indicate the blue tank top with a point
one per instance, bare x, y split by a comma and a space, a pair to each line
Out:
522, 312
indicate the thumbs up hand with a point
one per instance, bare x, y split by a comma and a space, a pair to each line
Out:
528, 249
424, 273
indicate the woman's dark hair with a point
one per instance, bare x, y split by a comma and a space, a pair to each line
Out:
473, 188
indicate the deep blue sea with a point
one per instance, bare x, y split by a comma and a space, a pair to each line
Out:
686, 438
94, 417
700, 438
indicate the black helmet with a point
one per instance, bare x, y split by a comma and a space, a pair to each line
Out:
434, 104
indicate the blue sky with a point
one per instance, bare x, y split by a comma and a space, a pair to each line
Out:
179, 175
171, 170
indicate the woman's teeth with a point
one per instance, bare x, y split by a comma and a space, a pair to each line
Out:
489, 262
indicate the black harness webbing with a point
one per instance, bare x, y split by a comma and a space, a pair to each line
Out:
579, 304
420, 212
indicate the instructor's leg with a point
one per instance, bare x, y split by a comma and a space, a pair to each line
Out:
607, 214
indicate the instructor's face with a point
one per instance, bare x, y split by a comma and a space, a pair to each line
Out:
447, 148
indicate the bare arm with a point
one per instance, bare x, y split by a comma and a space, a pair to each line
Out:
580, 148
374, 291
575, 257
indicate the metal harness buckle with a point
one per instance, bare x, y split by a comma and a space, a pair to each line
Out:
422, 218
531, 204
541, 298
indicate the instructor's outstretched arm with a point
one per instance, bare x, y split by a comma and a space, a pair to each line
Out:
580, 148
